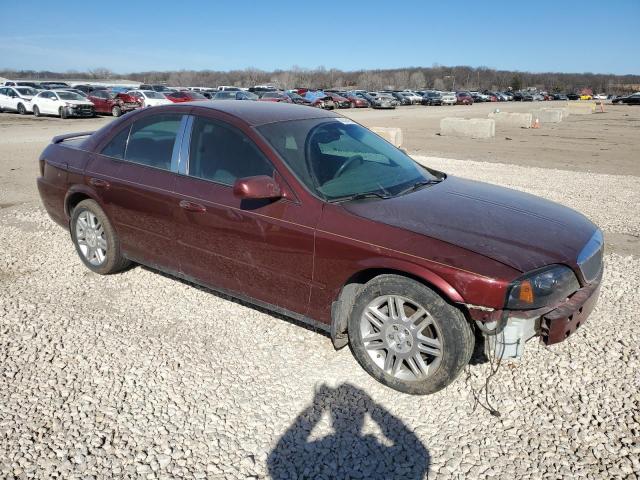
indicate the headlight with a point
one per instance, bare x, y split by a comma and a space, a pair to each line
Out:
542, 287
70, 105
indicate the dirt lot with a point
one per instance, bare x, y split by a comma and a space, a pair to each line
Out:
139, 375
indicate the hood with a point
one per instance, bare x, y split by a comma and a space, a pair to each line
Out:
78, 102
520, 230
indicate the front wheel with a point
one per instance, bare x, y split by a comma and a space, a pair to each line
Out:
36, 111
116, 111
63, 112
21, 109
95, 239
407, 336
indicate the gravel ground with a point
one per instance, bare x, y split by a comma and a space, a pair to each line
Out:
139, 375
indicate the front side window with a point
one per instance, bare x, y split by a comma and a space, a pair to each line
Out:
337, 158
221, 153
152, 139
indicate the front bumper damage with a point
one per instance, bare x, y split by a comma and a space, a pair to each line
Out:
507, 331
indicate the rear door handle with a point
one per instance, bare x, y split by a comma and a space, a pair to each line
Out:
192, 207
99, 183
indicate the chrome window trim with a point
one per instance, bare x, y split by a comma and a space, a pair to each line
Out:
177, 144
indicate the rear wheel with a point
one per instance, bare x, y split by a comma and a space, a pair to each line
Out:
407, 337
116, 111
95, 239
36, 111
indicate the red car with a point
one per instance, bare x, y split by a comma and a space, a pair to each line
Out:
310, 214
275, 97
464, 98
113, 103
185, 96
339, 101
356, 102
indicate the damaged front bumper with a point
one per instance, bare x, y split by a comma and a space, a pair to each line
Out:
507, 331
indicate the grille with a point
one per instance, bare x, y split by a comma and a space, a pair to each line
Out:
590, 258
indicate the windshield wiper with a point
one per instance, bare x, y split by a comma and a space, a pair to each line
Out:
420, 184
359, 196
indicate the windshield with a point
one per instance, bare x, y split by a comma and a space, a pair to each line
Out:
69, 96
151, 94
27, 91
337, 158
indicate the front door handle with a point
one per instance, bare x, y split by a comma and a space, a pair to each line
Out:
192, 207
99, 183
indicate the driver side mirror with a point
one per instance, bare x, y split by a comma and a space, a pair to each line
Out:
258, 187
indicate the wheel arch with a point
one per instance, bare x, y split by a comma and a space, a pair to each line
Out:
75, 195
341, 307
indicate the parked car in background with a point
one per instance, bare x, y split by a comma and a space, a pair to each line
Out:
559, 96
54, 85
633, 99
318, 98
17, 99
523, 97
85, 88
338, 100
149, 98
600, 96
384, 99
297, 98
275, 97
573, 96
62, 103
464, 98
413, 97
228, 88
21, 83
156, 88
356, 101
309, 214
431, 98
586, 97
234, 95
185, 96
400, 97
112, 103
449, 98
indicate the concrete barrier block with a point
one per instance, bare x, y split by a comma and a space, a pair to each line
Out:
581, 108
510, 119
468, 127
548, 115
391, 135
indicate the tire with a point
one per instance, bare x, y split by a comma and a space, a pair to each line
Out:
116, 111
105, 240
36, 111
442, 331
21, 109
63, 112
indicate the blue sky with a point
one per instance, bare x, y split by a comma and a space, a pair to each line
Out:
564, 36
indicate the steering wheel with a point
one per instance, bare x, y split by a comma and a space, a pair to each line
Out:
343, 168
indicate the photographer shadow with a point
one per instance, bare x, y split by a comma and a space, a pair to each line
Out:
347, 452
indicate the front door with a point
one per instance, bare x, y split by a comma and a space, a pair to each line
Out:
261, 249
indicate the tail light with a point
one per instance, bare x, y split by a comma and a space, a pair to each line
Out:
41, 166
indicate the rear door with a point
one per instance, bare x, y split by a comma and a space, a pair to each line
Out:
261, 249
134, 176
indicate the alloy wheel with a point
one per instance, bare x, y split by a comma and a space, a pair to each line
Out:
401, 337
91, 238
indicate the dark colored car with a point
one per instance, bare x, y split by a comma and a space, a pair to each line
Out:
338, 100
53, 85
633, 99
402, 99
297, 99
113, 103
431, 98
573, 96
234, 95
356, 101
560, 96
522, 97
308, 213
275, 97
185, 96
464, 98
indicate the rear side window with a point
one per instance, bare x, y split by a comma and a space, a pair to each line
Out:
117, 146
222, 153
152, 139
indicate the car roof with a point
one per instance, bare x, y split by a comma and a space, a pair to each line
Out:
261, 113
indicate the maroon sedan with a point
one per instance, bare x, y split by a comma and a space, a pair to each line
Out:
185, 96
464, 98
275, 97
308, 213
113, 103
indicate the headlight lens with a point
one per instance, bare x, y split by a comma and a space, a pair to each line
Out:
542, 287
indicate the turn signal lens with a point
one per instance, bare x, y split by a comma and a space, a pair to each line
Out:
526, 292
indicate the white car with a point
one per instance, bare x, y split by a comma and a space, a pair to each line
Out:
600, 96
413, 96
449, 98
150, 98
17, 99
62, 103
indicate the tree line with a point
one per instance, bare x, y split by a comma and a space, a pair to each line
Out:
437, 77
